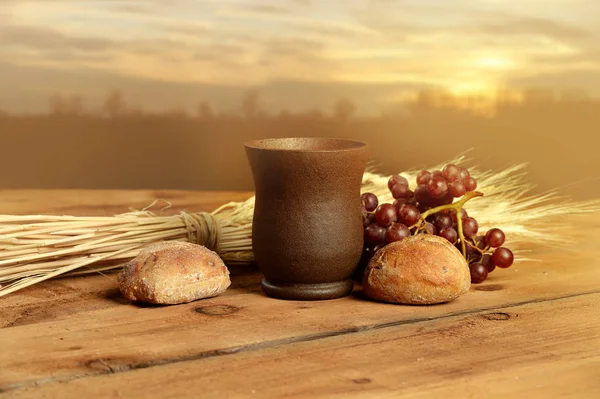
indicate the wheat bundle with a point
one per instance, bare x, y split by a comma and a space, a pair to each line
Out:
34, 248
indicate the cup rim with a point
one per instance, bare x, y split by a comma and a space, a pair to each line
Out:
262, 144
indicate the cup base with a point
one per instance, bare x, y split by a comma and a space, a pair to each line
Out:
308, 292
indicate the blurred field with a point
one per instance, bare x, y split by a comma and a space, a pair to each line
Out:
117, 147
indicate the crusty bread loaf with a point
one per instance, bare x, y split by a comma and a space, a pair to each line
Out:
422, 269
173, 272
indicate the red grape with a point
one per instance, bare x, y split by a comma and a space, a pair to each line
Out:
463, 214
495, 238
445, 200
422, 207
486, 260
409, 215
423, 177
475, 257
502, 257
478, 272
386, 214
481, 244
422, 195
442, 220
437, 173
370, 219
367, 254
370, 201
450, 172
463, 174
399, 202
430, 228
470, 227
396, 232
457, 189
437, 187
400, 191
374, 234
470, 184
397, 179
449, 234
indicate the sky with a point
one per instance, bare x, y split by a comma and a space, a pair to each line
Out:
298, 54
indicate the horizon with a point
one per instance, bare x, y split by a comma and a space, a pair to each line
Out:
253, 103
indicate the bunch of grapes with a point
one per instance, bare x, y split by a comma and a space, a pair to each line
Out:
430, 209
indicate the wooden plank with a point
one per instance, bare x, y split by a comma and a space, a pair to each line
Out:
81, 327
524, 351
96, 341
65, 297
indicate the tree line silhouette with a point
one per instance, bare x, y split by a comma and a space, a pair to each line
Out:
117, 144
115, 105
252, 106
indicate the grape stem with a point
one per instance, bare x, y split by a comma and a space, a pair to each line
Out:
475, 247
457, 206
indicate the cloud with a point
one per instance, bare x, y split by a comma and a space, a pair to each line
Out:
518, 26
193, 30
587, 78
293, 46
133, 9
267, 9
222, 55
566, 60
328, 31
69, 57
152, 47
294, 57
50, 40
44, 38
466, 20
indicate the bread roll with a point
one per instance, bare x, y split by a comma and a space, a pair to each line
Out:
173, 272
419, 270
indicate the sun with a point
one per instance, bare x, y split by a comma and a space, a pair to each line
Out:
497, 62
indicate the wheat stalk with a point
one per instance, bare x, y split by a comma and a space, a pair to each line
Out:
34, 248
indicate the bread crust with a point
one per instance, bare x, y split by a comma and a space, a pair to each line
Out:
419, 270
173, 272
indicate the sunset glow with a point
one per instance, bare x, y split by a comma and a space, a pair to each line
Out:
495, 63
299, 54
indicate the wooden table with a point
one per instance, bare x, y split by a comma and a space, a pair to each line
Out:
529, 331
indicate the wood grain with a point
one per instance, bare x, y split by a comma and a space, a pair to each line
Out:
108, 334
524, 350
63, 334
